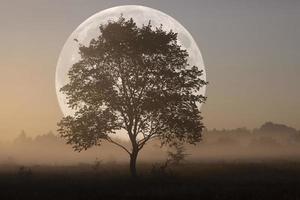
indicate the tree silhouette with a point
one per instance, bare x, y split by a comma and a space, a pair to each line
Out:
136, 79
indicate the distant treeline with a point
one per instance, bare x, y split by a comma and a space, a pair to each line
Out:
277, 133
270, 141
268, 134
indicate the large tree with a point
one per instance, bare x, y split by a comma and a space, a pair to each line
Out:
136, 79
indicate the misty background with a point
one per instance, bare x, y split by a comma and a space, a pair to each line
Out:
250, 50
269, 142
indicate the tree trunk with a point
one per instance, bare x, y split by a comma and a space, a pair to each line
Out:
133, 158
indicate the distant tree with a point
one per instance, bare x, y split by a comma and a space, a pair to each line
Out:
23, 138
135, 79
47, 139
270, 127
174, 158
177, 156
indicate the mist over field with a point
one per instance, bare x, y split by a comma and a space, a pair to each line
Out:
268, 142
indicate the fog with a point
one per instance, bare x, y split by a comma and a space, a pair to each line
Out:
268, 142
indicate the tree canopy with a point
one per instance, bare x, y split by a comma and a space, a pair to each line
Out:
137, 79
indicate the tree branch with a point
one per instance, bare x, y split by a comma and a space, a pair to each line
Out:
143, 141
119, 145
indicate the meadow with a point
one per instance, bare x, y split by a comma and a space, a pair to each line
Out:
277, 179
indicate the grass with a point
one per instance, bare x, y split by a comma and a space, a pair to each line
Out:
206, 180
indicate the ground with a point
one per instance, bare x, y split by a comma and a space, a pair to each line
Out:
201, 180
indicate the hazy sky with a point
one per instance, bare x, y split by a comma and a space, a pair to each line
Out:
251, 50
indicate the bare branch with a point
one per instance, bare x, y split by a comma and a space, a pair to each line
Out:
145, 140
118, 144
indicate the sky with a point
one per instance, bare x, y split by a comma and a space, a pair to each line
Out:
251, 51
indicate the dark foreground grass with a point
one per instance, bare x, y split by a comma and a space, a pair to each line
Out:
214, 180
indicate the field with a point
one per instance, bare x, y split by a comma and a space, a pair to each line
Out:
202, 180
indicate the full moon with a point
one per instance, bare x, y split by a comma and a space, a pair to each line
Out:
89, 29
